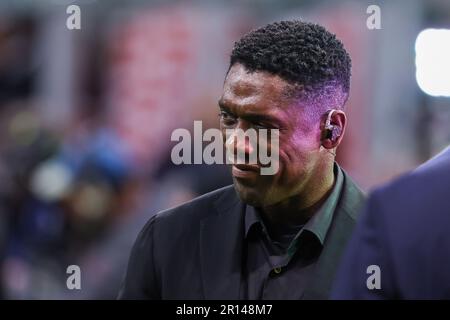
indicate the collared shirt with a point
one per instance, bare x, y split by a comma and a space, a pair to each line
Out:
280, 265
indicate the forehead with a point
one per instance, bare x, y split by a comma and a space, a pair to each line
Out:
256, 89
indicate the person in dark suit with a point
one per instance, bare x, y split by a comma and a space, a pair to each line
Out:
274, 236
404, 233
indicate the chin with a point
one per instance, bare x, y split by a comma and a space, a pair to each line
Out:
249, 195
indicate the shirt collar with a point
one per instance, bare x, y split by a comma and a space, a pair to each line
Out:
252, 219
321, 220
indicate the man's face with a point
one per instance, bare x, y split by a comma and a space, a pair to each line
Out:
257, 100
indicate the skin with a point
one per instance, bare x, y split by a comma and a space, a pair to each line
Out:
305, 176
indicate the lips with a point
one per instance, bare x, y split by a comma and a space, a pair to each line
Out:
245, 171
247, 167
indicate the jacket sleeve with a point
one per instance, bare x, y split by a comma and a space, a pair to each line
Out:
140, 280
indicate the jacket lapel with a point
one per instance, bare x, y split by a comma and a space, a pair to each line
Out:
221, 239
339, 233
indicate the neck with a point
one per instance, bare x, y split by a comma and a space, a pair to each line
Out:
299, 208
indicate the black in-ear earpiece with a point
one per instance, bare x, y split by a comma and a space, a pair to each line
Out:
331, 132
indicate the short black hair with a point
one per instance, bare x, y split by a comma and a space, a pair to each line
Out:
302, 53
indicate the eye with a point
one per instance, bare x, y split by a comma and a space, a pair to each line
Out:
227, 118
261, 126
264, 125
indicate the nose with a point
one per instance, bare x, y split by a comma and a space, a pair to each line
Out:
240, 143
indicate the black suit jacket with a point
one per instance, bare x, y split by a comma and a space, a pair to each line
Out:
194, 251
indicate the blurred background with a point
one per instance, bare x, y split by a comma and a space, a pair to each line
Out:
86, 117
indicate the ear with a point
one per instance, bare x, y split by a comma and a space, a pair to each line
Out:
332, 138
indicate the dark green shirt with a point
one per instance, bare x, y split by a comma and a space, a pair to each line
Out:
280, 260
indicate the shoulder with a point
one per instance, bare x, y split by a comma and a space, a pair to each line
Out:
431, 179
418, 200
195, 210
422, 189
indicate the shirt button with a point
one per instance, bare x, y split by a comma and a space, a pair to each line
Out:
277, 270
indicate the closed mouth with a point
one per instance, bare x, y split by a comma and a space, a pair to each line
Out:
246, 167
